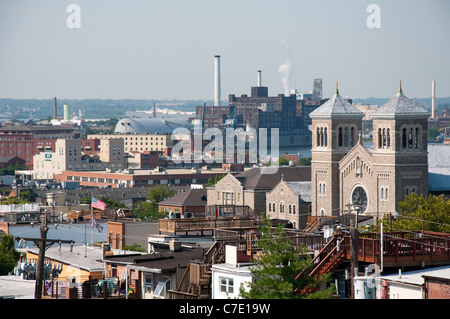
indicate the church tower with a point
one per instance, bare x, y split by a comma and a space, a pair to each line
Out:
335, 127
400, 156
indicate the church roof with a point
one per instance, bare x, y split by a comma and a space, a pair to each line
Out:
301, 188
260, 178
400, 105
336, 106
191, 197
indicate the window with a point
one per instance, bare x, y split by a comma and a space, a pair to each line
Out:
162, 288
226, 285
148, 284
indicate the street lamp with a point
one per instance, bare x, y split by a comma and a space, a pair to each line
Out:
394, 216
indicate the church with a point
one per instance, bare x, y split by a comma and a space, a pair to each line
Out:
348, 176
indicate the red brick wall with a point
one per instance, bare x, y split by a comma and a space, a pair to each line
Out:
5, 227
114, 229
437, 289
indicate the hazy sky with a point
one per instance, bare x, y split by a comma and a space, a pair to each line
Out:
143, 49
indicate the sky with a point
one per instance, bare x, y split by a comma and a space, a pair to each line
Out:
145, 49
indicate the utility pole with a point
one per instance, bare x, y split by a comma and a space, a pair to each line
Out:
354, 235
40, 266
43, 243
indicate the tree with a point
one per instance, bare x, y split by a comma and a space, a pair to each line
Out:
8, 254
433, 132
277, 266
283, 161
134, 247
148, 210
306, 161
430, 213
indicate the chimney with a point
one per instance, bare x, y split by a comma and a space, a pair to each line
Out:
105, 248
217, 80
259, 78
54, 108
433, 97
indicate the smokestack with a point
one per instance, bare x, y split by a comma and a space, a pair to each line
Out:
259, 78
54, 108
217, 81
154, 110
433, 97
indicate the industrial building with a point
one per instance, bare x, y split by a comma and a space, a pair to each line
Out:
26, 140
142, 177
68, 156
141, 142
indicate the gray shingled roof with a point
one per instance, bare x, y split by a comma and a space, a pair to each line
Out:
336, 106
301, 188
400, 105
191, 197
258, 178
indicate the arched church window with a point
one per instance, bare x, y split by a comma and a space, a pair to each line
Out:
388, 137
340, 137
404, 138
318, 137
321, 136
352, 137
326, 137
410, 138
416, 138
346, 137
384, 138
379, 138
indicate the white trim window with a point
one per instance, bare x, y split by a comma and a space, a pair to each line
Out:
226, 285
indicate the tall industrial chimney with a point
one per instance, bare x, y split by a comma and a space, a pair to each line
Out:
433, 97
217, 80
54, 108
259, 78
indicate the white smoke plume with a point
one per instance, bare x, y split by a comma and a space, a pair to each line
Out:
286, 70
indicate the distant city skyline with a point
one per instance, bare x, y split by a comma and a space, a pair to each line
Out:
165, 49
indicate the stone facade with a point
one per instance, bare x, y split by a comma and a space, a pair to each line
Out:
285, 203
228, 191
346, 175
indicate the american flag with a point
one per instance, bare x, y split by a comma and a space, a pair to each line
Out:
96, 203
